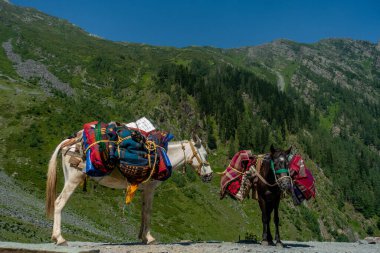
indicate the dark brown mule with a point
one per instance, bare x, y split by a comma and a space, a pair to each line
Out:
274, 170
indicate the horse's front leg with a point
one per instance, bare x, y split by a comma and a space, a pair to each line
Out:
147, 202
264, 219
269, 209
276, 223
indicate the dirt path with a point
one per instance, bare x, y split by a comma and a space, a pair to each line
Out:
298, 247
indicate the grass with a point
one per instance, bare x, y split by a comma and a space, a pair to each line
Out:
328, 120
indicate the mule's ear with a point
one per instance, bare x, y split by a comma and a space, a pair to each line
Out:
289, 150
272, 149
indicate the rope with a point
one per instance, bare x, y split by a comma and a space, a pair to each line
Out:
94, 143
263, 179
259, 159
120, 140
231, 167
151, 146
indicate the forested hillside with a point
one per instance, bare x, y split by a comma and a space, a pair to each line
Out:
340, 80
54, 77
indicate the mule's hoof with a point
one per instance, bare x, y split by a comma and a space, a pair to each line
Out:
264, 243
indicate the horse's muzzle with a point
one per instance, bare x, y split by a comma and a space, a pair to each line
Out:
284, 183
207, 177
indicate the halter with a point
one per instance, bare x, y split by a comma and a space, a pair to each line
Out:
279, 171
195, 155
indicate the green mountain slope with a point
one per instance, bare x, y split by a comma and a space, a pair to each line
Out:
54, 77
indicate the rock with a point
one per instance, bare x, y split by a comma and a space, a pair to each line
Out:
372, 240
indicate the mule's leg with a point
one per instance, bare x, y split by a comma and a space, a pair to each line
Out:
147, 202
276, 223
269, 209
264, 219
73, 181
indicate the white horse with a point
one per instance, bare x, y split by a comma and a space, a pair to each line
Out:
180, 153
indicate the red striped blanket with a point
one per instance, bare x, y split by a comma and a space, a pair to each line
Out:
302, 177
232, 176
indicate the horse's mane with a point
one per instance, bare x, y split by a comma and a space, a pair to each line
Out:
177, 142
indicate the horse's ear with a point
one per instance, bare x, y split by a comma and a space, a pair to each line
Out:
289, 150
198, 141
272, 149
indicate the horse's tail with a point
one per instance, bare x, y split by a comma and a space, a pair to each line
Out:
51, 183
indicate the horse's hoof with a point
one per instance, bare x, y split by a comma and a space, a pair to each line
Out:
279, 245
149, 242
152, 242
264, 243
62, 243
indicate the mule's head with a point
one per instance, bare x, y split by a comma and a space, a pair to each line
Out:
280, 167
199, 160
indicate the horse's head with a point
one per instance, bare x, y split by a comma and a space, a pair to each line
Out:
280, 166
198, 159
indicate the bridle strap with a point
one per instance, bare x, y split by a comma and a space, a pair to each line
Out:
282, 171
274, 172
279, 171
195, 155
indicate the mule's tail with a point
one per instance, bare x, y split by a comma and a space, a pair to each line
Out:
51, 183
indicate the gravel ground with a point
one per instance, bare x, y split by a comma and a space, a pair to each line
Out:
298, 247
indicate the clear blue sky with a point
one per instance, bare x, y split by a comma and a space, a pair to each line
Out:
218, 23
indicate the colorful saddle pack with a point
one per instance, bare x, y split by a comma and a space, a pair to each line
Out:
138, 155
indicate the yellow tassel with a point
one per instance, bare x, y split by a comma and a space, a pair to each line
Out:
130, 193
